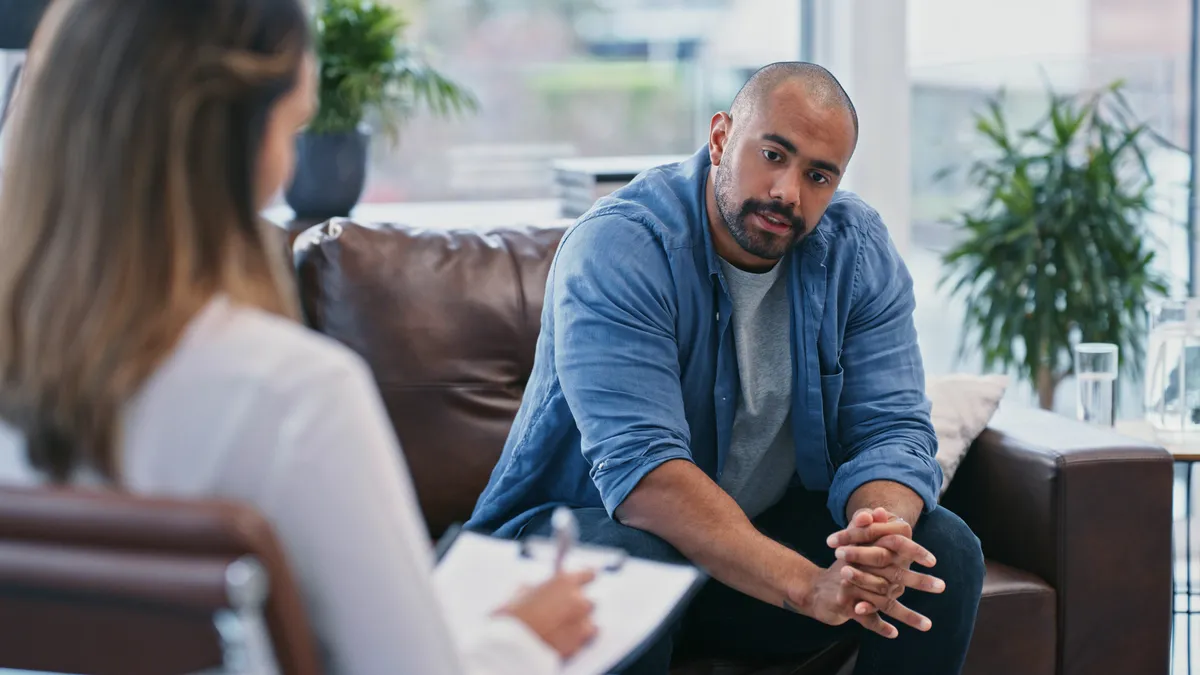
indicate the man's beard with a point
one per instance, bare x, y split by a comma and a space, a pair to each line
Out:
756, 242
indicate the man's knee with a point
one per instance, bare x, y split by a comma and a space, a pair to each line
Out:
957, 549
598, 529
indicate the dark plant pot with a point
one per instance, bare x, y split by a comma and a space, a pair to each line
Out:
331, 171
18, 19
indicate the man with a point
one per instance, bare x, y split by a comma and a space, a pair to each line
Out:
728, 372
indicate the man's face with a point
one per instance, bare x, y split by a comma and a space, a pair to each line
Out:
776, 172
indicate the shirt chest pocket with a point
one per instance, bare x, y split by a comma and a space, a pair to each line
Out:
831, 394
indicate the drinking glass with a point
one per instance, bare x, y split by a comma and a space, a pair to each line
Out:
1096, 377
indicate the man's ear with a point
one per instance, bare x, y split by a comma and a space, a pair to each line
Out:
718, 136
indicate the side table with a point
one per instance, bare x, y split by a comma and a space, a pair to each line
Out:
1186, 454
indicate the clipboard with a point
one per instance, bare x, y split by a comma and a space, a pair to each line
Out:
536, 548
638, 602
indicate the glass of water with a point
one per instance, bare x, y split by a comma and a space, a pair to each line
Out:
1096, 377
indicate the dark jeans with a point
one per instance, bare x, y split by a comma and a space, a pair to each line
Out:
726, 623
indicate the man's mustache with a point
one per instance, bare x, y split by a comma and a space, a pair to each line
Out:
756, 206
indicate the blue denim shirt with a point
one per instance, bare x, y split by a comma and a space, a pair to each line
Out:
635, 364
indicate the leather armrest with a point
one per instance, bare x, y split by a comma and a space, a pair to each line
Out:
1089, 511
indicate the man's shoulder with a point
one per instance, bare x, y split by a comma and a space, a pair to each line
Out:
861, 254
849, 216
664, 203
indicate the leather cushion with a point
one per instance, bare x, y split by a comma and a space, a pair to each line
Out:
1016, 629
447, 321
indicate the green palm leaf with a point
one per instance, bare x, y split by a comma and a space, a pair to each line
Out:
368, 73
1056, 249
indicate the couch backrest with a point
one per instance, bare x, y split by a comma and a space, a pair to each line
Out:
448, 322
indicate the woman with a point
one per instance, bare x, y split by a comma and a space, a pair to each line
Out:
146, 330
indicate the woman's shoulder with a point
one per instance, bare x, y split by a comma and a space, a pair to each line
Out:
236, 343
240, 370
243, 393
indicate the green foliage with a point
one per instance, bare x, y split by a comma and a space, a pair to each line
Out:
1056, 248
366, 68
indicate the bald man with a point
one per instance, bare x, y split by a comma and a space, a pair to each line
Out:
728, 374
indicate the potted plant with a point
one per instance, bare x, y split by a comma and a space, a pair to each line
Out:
367, 74
18, 20
1055, 252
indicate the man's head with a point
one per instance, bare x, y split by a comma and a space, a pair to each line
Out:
778, 156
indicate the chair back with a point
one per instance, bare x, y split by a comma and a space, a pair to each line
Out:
97, 582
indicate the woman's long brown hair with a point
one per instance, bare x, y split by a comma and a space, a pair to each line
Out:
127, 203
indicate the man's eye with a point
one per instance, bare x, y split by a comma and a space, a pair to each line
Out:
772, 156
818, 178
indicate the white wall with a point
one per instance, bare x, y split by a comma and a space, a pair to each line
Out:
756, 32
996, 42
863, 43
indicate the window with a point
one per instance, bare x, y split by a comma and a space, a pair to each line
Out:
962, 53
573, 78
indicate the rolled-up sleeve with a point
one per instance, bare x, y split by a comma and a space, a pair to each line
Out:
615, 350
884, 425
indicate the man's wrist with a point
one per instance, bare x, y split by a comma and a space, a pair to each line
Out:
896, 498
796, 584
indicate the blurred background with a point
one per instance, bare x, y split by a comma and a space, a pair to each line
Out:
629, 79
589, 86
563, 78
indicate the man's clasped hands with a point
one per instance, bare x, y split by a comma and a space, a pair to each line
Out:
871, 571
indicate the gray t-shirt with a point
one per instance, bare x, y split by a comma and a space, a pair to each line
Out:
761, 459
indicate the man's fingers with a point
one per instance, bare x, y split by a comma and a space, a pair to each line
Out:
922, 582
862, 518
891, 607
865, 535
907, 616
907, 549
866, 581
905, 578
876, 624
866, 556
900, 546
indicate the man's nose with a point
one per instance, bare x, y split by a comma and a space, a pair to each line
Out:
786, 190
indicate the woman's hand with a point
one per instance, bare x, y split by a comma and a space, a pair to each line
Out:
558, 612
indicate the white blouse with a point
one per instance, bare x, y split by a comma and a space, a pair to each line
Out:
253, 407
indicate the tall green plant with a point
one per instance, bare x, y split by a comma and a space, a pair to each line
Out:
367, 69
1055, 251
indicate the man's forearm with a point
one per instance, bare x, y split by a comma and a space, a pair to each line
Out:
895, 497
682, 505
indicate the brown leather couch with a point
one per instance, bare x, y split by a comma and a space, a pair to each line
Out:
1075, 522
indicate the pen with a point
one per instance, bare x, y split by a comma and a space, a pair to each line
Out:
566, 532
